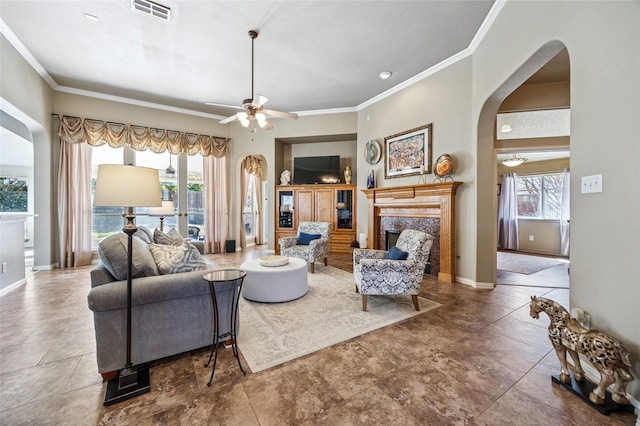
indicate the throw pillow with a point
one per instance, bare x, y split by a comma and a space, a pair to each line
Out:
175, 259
304, 239
172, 238
112, 251
144, 234
395, 253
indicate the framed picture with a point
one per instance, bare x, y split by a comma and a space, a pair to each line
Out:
408, 153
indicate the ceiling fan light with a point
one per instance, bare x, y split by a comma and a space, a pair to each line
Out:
243, 117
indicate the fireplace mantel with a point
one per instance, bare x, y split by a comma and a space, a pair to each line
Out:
435, 200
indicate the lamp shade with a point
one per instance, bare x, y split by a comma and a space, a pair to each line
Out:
127, 186
165, 210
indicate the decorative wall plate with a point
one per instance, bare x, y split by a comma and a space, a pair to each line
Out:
372, 151
443, 166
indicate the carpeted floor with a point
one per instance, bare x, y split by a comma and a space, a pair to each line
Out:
331, 312
525, 264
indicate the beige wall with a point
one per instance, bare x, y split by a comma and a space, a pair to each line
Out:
266, 143
603, 39
345, 149
27, 97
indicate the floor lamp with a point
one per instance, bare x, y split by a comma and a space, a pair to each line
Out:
165, 210
128, 187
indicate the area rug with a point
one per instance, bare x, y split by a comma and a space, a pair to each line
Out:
524, 264
330, 313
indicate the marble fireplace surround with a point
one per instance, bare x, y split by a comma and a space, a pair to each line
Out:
431, 200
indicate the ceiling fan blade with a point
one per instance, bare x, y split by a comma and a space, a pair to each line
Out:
259, 100
275, 113
223, 105
229, 119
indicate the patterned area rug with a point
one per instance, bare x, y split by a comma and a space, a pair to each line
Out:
524, 264
330, 313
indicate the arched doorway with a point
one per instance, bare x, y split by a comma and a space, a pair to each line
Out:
253, 200
486, 236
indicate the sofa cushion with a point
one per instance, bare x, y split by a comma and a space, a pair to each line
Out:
172, 238
172, 259
395, 253
113, 254
144, 233
304, 239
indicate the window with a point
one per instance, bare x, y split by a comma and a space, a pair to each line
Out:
540, 196
106, 220
14, 194
248, 212
168, 184
195, 197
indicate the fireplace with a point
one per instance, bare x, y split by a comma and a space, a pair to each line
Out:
390, 238
427, 207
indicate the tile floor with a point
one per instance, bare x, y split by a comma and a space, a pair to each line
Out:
478, 359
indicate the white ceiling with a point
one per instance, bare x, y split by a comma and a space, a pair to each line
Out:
310, 55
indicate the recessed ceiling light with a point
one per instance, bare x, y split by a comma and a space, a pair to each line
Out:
384, 75
91, 17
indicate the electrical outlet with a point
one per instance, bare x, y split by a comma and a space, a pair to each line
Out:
531, 238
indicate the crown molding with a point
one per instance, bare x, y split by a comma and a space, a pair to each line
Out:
22, 49
482, 31
137, 102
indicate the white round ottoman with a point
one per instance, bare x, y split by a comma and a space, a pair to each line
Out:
275, 283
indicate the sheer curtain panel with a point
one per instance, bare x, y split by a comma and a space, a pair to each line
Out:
74, 204
216, 204
508, 213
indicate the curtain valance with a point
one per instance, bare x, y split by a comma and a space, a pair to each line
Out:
252, 165
140, 138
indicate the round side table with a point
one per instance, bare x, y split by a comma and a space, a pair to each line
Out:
224, 280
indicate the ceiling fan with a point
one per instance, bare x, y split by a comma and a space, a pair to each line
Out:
252, 108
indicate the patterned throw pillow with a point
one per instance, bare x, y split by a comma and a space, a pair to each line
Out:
172, 238
175, 259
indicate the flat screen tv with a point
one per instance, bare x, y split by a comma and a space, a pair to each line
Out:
316, 169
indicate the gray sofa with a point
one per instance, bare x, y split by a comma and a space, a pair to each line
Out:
171, 313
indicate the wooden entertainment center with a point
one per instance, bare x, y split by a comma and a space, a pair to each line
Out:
334, 203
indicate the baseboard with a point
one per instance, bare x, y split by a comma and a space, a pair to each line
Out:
13, 286
474, 284
46, 267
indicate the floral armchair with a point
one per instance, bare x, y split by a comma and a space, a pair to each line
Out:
317, 249
375, 275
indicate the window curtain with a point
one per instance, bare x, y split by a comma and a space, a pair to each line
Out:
97, 132
251, 166
77, 132
216, 204
259, 232
74, 204
565, 214
508, 213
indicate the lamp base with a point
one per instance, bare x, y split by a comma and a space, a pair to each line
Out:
129, 384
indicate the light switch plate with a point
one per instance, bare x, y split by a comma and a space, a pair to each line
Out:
590, 184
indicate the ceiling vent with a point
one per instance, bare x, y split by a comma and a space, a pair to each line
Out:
152, 9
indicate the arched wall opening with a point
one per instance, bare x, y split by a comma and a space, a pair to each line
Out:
486, 234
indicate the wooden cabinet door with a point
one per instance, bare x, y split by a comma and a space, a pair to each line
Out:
324, 208
304, 206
